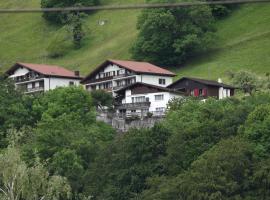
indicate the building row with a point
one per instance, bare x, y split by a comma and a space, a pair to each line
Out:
139, 88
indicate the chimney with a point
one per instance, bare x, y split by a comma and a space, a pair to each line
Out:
219, 80
77, 73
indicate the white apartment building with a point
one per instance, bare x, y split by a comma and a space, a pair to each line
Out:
141, 98
113, 75
32, 78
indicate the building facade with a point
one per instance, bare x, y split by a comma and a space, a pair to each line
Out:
33, 78
113, 75
202, 88
140, 99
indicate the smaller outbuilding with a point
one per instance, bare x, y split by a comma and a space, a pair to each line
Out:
142, 99
202, 88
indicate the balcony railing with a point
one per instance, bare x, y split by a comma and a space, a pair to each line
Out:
25, 79
138, 105
36, 89
139, 115
123, 75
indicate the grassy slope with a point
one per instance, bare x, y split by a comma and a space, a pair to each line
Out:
243, 40
243, 43
25, 37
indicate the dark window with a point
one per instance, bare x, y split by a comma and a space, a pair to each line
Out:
71, 83
200, 92
33, 85
162, 81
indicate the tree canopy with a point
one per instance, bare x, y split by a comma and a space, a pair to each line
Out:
62, 17
168, 37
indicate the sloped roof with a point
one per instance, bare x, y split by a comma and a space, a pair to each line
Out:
138, 67
49, 70
142, 67
203, 81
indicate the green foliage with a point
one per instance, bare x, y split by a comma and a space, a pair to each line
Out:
102, 98
169, 37
121, 170
246, 81
67, 135
61, 17
197, 126
257, 129
221, 11
72, 102
75, 24
220, 173
15, 109
18, 181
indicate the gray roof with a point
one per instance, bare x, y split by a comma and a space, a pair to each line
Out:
205, 82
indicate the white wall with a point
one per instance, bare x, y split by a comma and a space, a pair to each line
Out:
154, 80
154, 103
110, 68
52, 83
20, 71
223, 93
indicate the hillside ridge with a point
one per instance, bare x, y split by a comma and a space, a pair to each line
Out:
243, 41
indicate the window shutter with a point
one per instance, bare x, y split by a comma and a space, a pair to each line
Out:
205, 92
196, 92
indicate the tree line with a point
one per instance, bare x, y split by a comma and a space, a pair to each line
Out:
52, 147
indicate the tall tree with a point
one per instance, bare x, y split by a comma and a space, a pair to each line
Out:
61, 17
169, 37
18, 181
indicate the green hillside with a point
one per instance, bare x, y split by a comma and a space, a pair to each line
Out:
243, 40
25, 37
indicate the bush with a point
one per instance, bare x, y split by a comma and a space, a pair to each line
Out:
61, 17
169, 37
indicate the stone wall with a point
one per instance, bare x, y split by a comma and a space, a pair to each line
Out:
123, 125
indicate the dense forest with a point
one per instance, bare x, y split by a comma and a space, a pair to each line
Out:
52, 147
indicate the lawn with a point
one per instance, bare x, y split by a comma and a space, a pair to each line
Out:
243, 42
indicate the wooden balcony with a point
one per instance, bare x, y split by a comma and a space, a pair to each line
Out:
133, 106
140, 115
28, 79
32, 90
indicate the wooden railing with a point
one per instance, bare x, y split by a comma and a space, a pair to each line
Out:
138, 105
36, 89
140, 115
25, 79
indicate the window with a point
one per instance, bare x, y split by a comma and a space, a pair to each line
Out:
162, 81
200, 92
138, 99
71, 83
160, 109
159, 97
37, 84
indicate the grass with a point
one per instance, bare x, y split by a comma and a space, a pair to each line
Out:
243, 40
25, 37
